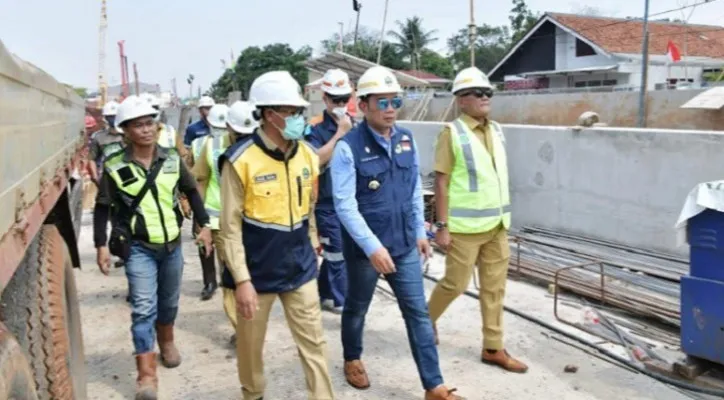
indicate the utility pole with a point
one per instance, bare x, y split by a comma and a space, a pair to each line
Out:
382, 34
102, 85
340, 46
644, 67
357, 8
135, 77
472, 33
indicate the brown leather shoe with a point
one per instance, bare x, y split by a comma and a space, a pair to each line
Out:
170, 357
442, 393
502, 359
354, 372
147, 382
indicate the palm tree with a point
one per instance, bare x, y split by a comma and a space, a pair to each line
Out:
412, 39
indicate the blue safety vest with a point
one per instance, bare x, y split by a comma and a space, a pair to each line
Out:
385, 190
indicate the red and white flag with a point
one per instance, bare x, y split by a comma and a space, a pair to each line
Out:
673, 52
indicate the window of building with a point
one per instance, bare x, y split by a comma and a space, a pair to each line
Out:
610, 82
593, 83
583, 49
580, 84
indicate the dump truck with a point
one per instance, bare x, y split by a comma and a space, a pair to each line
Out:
42, 141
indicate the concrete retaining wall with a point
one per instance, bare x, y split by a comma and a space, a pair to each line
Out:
623, 185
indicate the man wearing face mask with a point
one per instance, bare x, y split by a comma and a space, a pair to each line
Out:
268, 189
325, 131
378, 197
217, 118
473, 212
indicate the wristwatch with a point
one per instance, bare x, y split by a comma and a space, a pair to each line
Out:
440, 224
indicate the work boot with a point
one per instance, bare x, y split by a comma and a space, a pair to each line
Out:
502, 359
209, 273
442, 393
170, 357
354, 372
147, 382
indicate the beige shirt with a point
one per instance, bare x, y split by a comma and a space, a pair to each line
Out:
232, 212
444, 156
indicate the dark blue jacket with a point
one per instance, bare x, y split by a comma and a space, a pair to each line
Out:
195, 130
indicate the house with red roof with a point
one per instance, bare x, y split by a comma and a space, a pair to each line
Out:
566, 51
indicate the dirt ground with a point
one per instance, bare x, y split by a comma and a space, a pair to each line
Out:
208, 370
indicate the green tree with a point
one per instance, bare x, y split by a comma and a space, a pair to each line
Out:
433, 62
366, 48
491, 44
411, 39
522, 19
254, 61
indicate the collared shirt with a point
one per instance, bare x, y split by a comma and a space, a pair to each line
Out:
196, 130
444, 156
232, 212
344, 181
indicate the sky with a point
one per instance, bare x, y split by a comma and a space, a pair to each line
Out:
172, 38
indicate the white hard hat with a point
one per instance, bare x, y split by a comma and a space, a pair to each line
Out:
133, 107
151, 99
206, 101
110, 109
218, 115
241, 117
336, 83
469, 78
377, 80
276, 88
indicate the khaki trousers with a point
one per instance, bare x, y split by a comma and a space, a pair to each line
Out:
490, 252
228, 299
304, 317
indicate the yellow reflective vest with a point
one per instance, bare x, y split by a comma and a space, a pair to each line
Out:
157, 218
478, 195
166, 135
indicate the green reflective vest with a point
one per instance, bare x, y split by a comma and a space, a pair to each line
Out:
166, 135
197, 146
478, 195
155, 220
212, 199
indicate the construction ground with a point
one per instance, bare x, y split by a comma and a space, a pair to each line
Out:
208, 370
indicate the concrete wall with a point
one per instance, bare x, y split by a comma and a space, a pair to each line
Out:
622, 185
615, 108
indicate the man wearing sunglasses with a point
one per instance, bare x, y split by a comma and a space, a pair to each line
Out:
378, 197
473, 212
325, 131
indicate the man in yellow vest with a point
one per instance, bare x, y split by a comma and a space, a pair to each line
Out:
217, 119
268, 189
142, 182
473, 212
240, 123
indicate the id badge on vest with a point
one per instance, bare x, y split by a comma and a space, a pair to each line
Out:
170, 166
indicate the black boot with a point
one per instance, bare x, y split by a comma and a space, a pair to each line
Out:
208, 267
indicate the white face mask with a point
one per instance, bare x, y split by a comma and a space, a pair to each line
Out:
339, 111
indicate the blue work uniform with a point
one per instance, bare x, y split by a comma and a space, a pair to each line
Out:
333, 272
196, 130
377, 194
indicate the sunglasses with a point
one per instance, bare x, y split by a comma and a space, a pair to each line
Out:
479, 93
338, 99
384, 103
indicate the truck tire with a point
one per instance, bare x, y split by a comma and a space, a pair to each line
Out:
16, 377
40, 307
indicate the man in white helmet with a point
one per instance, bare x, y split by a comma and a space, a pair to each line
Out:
143, 181
324, 132
200, 127
104, 142
473, 212
378, 198
166, 132
268, 189
217, 118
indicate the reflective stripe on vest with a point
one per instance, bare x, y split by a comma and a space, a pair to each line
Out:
158, 212
166, 136
197, 145
212, 198
479, 197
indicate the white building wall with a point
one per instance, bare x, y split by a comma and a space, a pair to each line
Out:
566, 54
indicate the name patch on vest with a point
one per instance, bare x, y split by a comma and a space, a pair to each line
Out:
170, 166
365, 159
265, 178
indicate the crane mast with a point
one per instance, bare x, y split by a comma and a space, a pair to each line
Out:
102, 86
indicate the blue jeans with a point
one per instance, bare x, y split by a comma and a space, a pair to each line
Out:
333, 272
407, 285
154, 281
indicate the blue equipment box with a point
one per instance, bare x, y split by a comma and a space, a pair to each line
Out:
702, 318
706, 239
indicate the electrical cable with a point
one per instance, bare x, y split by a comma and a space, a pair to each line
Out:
623, 360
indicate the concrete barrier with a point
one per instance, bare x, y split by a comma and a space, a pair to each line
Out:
620, 184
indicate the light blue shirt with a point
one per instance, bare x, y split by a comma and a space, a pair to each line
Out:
344, 188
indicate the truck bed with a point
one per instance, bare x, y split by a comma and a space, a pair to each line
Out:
41, 130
